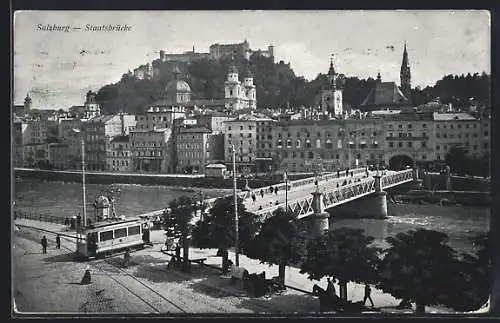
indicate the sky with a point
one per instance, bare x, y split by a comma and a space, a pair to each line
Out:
51, 67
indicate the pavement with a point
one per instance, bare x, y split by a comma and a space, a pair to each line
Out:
49, 282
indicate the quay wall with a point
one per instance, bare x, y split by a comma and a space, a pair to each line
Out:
147, 179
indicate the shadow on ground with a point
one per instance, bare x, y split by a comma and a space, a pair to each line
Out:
67, 257
285, 304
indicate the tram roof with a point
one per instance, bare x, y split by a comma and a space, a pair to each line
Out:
110, 223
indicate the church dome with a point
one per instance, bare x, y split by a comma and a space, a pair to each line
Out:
177, 86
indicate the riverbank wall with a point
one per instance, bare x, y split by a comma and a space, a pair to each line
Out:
147, 179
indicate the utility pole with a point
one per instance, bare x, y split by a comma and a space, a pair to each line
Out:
286, 192
236, 224
84, 218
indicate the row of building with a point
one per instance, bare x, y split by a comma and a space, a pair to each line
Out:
176, 135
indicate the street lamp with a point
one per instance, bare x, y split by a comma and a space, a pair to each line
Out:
236, 224
84, 216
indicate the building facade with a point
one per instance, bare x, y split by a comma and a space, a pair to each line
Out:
461, 130
150, 150
241, 133
58, 155
193, 149
98, 132
118, 157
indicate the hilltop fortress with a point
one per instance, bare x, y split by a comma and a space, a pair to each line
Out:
216, 51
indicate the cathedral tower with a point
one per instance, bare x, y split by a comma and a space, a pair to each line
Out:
27, 103
232, 89
405, 75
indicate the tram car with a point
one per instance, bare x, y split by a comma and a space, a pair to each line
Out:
111, 236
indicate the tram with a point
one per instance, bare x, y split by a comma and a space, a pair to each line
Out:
110, 236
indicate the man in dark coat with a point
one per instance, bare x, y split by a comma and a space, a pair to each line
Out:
178, 253
368, 294
44, 244
58, 241
262, 193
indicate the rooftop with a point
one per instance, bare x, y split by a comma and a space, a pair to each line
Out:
385, 93
101, 119
453, 116
120, 139
195, 129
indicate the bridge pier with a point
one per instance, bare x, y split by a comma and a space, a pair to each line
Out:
376, 205
320, 218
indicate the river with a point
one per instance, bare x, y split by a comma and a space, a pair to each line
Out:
65, 199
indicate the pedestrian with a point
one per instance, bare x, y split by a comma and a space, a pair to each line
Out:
44, 244
368, 294
276, 202
253, 198
262, 193
271, 190
178, 253
276, 191
316, 182
66, 223
352, 173
126, 259
260, 207
58, 241
330, 288
338, 173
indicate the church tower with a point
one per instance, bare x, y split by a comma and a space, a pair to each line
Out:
232, 89
405, 75
249, 89
331, 96
27, 103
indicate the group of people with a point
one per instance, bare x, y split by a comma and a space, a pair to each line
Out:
330, 289
44, 243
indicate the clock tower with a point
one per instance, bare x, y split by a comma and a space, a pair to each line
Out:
331, 96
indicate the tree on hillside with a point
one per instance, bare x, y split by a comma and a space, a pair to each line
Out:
280, 241
345, 254
458, 161
473, 283
217, 229
177, 223
418, 266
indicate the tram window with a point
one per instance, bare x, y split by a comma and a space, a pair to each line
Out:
106, 235
120, 233
134, 230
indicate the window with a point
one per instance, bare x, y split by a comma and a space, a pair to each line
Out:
400, 126
318, 143
391, 144
249, 135
486, 133
424, 144
249, 127
120, 233
229, 128
409, 126
310, 155
298, 144
410, 144
400, 144
106, 235
438, 147
134, 230
241, 127
425, 125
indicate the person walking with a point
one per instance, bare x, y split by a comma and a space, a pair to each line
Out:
178, 253
330, 288
253, 198
368, 295
58, 242
44, 244
338, 173
276, 191
262, 193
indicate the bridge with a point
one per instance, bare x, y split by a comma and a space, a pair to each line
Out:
310, 197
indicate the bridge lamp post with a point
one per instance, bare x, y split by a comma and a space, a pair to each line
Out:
236, 224
286, 191
84, 216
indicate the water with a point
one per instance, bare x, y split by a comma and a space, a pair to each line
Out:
65, 199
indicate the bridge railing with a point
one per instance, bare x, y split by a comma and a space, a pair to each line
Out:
338, 195
38, 217
397, 178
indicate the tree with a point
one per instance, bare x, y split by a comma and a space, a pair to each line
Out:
345, 254
458, 161
280, 241
473, 285
177, 223
418, 266
217, 229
